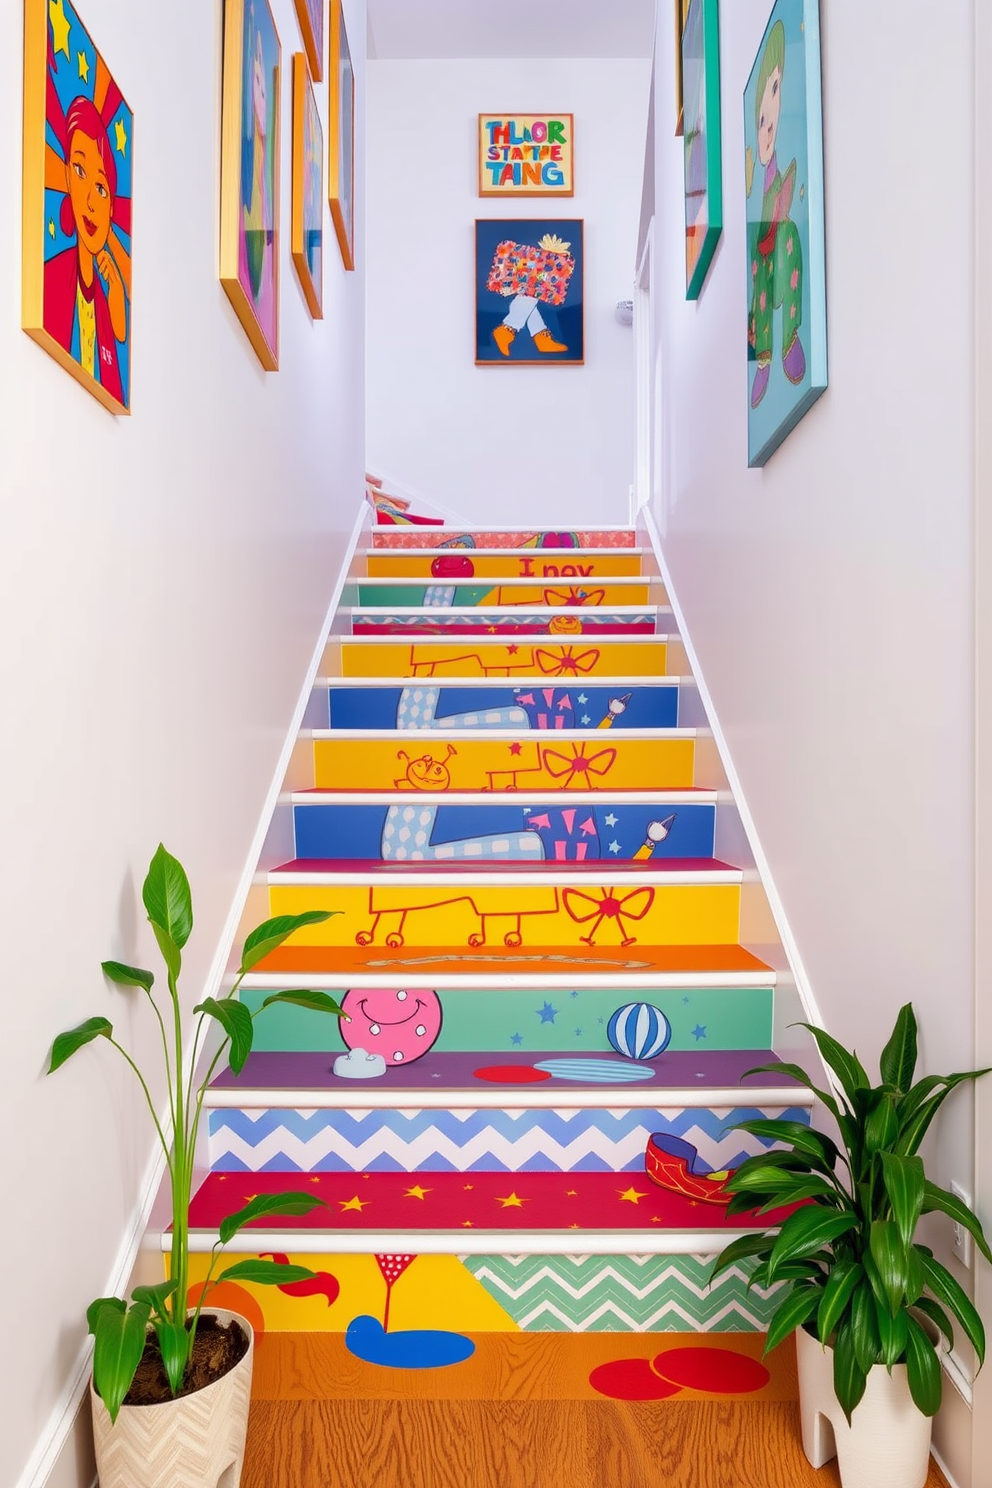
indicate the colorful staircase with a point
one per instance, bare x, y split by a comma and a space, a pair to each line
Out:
513, 808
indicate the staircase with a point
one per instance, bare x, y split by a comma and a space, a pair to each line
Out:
516, 828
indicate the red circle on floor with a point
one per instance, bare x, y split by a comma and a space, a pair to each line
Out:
512, 1074
630, 1379
719, 1371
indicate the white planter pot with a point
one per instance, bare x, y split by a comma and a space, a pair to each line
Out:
197, 1441
887, 1444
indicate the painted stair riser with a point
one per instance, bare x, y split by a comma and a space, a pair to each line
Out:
510, 1293
418, 1142
590, 623
455, 594
515, 1020
599, 761
480, 656
611, 832
391, 538
541, 706
503, 915
506, 565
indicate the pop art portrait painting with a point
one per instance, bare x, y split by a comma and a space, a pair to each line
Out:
249, 231
78, 142
783, 180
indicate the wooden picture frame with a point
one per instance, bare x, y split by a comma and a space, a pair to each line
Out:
529, 292
681, 15
307, 225
76, 204
701, 141
526, 155
785, 219
310, 14
250, 146
341, 142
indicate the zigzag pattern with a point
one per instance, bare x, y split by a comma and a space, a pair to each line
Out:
460, 1141
195, 1442
627, 1294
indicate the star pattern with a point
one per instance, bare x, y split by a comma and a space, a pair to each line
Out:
632, 1196
356, 1203
547, 1013
416, 1192
515, 748
120, 137
614, 846
83, 65
511, 1201
61, 27
516, 1038
51, 228
699, 1032
611, 820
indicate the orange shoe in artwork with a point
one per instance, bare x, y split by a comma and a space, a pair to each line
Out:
544, 341
504, 336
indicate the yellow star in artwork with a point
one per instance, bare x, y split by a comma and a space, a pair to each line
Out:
632, 1196
61, 26
314, 1179
491, 629
120, 136
416, 1192
572, 1193
467, 1224
84, 66
468, 1187
51, 228
355, 1203
511, 1201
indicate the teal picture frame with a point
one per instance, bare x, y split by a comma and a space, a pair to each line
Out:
701, 141
786, 259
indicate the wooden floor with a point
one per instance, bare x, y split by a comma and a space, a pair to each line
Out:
333, 1421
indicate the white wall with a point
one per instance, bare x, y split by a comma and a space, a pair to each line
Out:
498, 444
830, 596
164, 581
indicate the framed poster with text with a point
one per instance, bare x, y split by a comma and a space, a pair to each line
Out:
526, 155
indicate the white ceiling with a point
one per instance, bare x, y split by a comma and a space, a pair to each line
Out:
510, 28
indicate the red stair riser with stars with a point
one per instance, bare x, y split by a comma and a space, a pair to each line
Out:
508, 813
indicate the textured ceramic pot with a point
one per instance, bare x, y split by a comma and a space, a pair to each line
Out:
197, 1441
887, 1444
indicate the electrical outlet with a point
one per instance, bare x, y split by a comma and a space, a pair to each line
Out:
961, 1238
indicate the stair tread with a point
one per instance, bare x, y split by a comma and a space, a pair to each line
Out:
571, 1204
677, 1077
588, 964
469, 871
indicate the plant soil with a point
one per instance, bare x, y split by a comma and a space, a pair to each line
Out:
216, 1350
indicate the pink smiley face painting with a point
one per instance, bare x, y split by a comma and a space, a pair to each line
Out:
401, 1026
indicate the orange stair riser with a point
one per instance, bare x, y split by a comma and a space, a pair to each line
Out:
537, 566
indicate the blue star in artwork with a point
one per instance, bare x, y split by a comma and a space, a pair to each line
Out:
516, 1038
614, 846
547, 1013
573, 994
685, 1001
611, 820
581, 698
578, 1033
699, 1032
585, 719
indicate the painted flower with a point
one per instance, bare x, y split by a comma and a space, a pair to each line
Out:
792, 313
794, 281
762, 302
788, 247
754, 268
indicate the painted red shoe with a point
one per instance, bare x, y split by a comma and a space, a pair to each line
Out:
670, 1162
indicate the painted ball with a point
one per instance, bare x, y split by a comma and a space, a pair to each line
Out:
399, 1025
639, 1030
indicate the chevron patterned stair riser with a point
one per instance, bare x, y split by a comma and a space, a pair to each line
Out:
638, 1294
432, 1141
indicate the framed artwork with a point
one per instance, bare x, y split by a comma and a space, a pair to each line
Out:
528, 292
249, 214
786, 266
681, 15
526, 155
310, 14
701, 141
307, 236
341, 146
77, 183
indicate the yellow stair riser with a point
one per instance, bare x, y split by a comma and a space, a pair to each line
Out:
528, 657
537, 566
540, 915
420, 762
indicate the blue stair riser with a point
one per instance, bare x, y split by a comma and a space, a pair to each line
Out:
543, 1140
540, 707
607, 832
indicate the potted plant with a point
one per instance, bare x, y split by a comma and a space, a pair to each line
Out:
181, 1423
870, 1303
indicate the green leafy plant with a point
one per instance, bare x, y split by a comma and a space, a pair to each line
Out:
121, 1329
859, 1279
